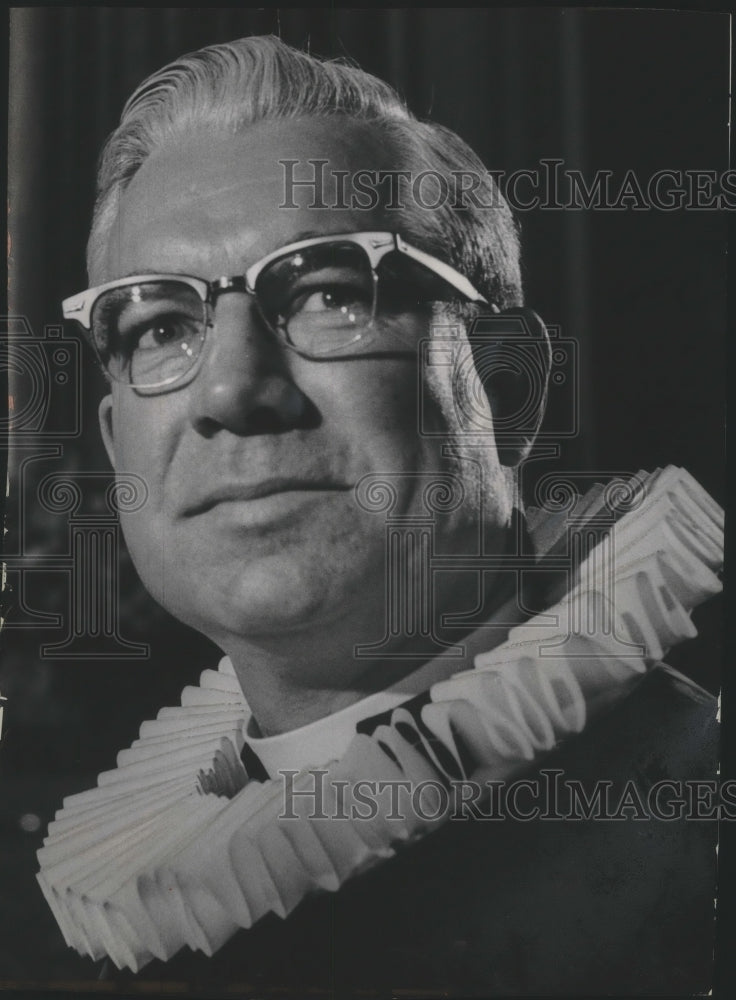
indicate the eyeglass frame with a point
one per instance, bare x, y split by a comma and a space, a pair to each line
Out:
376, 246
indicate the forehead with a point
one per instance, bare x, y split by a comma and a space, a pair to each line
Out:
211, 204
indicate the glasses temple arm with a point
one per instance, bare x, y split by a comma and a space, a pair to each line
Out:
444, 271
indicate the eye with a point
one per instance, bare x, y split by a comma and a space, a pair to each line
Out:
158, 334
323, 287
330, 299
344, 297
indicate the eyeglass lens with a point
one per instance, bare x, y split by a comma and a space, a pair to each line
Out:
322, 297
150, 333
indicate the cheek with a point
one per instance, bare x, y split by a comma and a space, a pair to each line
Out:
374, 401
143, 435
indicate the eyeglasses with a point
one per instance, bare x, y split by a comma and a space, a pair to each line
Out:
326, 297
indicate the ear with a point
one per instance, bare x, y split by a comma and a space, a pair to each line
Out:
105, 416
513, 357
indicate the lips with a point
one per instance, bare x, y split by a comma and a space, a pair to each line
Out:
244, 492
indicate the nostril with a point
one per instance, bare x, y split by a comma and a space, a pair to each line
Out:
296, 411
265, 420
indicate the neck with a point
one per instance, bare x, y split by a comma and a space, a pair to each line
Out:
291, 680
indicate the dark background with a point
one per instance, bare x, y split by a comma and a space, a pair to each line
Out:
642, 292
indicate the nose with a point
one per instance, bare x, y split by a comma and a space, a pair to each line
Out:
244, 384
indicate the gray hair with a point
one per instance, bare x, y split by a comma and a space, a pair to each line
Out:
253, 79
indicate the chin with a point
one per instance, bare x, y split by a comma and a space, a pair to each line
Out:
259, 599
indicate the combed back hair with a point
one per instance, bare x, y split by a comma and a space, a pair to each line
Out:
231, 86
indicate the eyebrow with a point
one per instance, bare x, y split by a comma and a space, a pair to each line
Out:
144, 272
305, 234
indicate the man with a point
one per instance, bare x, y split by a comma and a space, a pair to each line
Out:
308, 373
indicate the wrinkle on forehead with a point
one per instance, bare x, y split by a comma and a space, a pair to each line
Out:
208, 189
227, 191
344, 143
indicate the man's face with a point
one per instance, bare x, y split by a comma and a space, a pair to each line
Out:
251, 526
